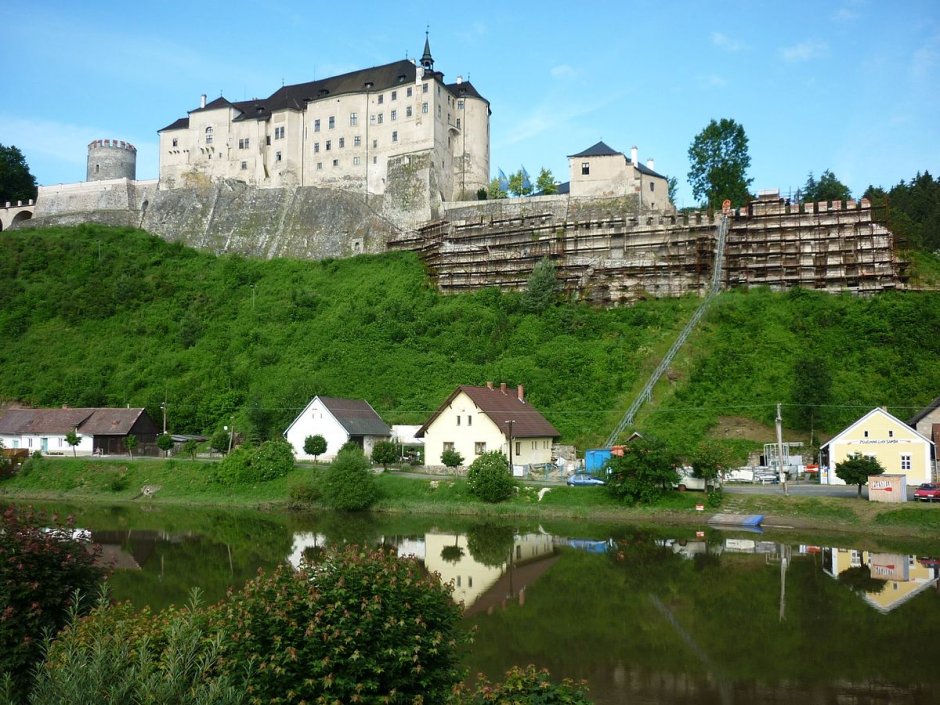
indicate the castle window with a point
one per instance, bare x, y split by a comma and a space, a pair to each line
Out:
96, 168
394, 95
381, 99
408, 91
332, 122
316, 125
355, 161
176, 142
279, 133
424, 108
244, 166
342, 142
243, 143
438, 109
372, 118
652, 185
375, 144
353, 119
585, 168
357, 141
319, 166
328, 145
381, 118
408, 111
209, 135
424, 87
458, 123
459, 105
316, 147
395, 136
277, 156
336, 162
394, 115
375, 160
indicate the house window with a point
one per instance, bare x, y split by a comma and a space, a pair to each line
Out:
408, 112
327, 145
394, 95
905, 461
890, 434
395, 136
357, 141
316, 147
244, 166
394, 115
243, 143
408, 92
469, 581
353, 119
381, 118
277, 156
381, 99
176, 142
865, 434
458, 581
316, 125
469, 420
458, 420
448, 445
342, 142
585, 168
30, 442
209, 135
355, 161
424, 107
479, 448
518, 447
279, 133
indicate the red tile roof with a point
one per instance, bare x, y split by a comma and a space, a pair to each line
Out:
93, 422
501, 406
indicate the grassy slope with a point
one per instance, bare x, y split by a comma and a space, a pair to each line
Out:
96, 316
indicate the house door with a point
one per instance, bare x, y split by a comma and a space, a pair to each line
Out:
44, 444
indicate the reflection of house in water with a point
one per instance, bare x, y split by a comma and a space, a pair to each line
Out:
481, 587
903, 576
129, 550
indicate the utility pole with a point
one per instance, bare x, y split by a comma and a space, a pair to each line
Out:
510, 422
783, 473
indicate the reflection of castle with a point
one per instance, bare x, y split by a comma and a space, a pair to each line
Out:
903, 576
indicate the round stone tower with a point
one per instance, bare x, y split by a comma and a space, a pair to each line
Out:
111, 159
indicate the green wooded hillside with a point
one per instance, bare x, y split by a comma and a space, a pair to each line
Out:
94, 316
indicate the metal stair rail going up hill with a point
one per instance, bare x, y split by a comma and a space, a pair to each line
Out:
647, 392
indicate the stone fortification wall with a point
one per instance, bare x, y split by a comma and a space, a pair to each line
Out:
111, 159
115, 201
608, 255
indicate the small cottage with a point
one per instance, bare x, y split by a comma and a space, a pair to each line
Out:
339, 421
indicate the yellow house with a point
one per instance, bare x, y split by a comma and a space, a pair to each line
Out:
900, 449
475, 420
902, 576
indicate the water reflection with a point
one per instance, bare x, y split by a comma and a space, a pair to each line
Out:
884, 580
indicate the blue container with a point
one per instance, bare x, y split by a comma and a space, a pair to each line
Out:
595, 458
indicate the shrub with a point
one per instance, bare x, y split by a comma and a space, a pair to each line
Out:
525, 687
360, 626
304, 493
489, 479
349, 483
244, 465
451, 458
220, 442
44, 571
644, 473
165, 443
385, 452
315, 446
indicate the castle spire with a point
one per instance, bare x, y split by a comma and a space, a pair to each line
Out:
426, 60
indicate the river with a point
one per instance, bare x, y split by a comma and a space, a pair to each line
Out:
665, 615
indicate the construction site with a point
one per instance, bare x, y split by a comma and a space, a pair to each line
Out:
608, 255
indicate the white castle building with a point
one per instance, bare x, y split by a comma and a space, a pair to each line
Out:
346, 132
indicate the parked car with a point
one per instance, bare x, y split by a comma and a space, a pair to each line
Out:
583, 479
928, 492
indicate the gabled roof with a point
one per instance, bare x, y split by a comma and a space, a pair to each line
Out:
914, 420
92, 422
356, 416
501, 407
220, 102
181, 124
465, 89
876, 410
601, 149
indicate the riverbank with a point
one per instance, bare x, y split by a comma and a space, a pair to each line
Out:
190, 483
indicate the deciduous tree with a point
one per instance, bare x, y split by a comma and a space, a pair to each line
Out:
315, 445
541, 288
73, 439
545, 182
164, 443
384, 453
719, 162
856, 469
16, 181
130, 442
645, 472
451, 458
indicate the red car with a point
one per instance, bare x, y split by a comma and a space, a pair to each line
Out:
928, 492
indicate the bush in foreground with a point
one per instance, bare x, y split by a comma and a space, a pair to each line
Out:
246, 465
489, 478
526, 686
349, 483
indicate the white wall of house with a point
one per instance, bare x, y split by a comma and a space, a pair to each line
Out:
471, 432
316, 420
50, 443
900, 449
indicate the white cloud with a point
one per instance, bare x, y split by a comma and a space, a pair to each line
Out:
563, 71
723, 41
473, 32
805, 51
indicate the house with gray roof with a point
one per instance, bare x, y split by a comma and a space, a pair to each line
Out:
103, 431
339, 421
602, 172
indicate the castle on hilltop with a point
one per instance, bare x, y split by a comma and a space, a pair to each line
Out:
356, 132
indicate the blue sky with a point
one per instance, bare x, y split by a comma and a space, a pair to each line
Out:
851, 85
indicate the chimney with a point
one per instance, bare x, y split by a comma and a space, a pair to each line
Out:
634, 155
520, 391
459, 80
650, 164
202, 100
502, 387
489, 384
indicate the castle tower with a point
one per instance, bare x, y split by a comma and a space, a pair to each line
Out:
111, 159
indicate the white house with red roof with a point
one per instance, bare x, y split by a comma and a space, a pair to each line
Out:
475, 420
